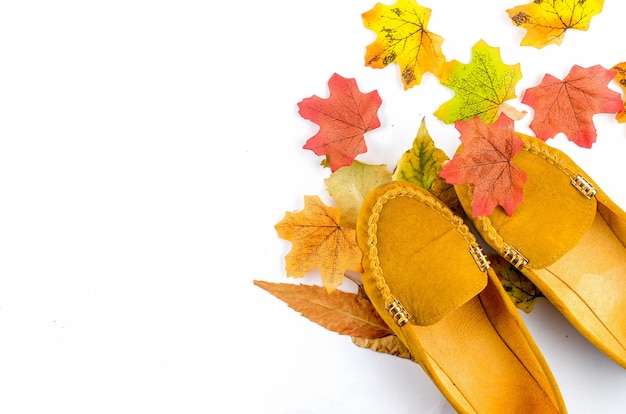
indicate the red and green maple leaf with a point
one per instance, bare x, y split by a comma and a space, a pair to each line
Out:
402, 37
481, 87
486, 162
568, 105
343, 118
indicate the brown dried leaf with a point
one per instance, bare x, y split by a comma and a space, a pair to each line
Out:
387, 345
522, 291
446, 193
341, 312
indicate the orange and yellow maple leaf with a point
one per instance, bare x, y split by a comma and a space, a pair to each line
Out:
546, 21
486, 162
319, 241
620, 78
402, 37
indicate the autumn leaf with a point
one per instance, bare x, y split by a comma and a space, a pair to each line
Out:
486, 162
340, 312
621, 81
568, 106
446, 193
481, 87
349, 185
522, 291
318, 241
402, 37
422, 163
343, 118
391, 345
546, 21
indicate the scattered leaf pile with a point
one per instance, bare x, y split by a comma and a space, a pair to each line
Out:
323, 237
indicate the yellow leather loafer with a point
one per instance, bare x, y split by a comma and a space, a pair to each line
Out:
568, 238
427, 277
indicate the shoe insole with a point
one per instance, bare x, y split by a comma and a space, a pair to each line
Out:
492, 369
590, 282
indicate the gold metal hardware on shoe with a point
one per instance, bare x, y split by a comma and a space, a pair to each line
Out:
513, 256
480, 258
398, 312
584, 186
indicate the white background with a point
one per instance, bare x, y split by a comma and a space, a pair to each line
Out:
147, 148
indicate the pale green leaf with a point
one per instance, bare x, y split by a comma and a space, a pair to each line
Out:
349, 185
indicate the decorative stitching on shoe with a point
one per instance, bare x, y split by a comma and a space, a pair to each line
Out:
391, 301
551, 157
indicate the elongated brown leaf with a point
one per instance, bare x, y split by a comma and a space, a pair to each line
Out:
387, 345
341, 312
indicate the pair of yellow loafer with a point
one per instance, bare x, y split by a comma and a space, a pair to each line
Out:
428, 277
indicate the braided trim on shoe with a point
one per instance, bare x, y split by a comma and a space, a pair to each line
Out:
551, 157
579, 181
392, 304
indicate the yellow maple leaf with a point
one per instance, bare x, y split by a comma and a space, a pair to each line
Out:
546, 21
620, 78
318, 241
402, 37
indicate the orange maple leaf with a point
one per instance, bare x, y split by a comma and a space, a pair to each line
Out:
402, 37
343, 118
546, 21
568, 105
621, 81
318, 241
486, 162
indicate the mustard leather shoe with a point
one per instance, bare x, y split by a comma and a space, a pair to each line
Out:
568, 238
427, 277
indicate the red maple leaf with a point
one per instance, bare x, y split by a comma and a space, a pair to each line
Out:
343, 118
568, 106
486, 163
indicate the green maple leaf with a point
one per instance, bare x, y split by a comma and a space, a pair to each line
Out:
481, 87
422, 163
349, 185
